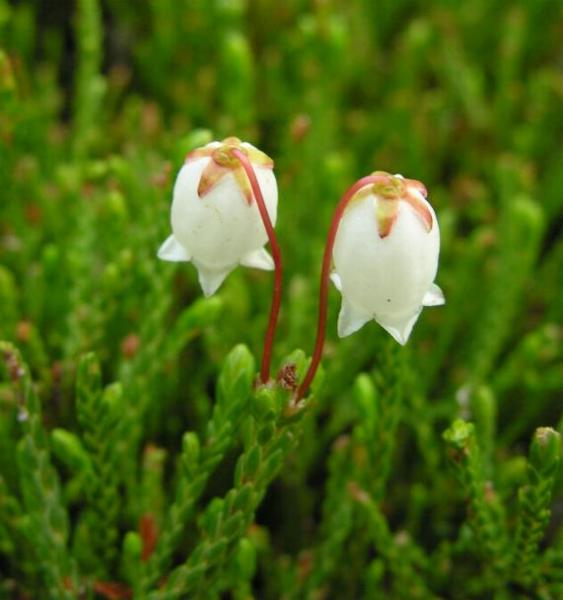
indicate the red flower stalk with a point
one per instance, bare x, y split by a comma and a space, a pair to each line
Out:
278, 271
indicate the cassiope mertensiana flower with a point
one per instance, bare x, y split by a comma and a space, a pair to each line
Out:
215, 221
386, 257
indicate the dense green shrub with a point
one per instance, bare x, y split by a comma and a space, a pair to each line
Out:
136, 455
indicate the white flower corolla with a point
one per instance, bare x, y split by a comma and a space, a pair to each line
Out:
216, 222
386, 256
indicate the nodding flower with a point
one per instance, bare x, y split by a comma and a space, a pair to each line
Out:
216, 223
385, 256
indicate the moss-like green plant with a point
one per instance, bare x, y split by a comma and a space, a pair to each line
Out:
148, 449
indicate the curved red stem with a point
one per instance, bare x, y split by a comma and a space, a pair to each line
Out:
276, 255
325, 274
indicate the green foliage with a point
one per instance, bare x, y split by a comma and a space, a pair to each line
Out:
98, 413
486, 512
138, 456
534, 500
45, 522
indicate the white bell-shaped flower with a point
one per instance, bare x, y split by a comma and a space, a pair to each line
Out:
215, 220
386, 257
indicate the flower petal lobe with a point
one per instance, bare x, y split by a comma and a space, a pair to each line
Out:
434, 296
258, 259
400, 330
335, 277
351, 319
173, 251
210, 281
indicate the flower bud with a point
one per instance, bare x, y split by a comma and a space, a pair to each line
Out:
215, 220
386, 257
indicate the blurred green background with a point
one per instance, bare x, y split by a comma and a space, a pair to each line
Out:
99, 103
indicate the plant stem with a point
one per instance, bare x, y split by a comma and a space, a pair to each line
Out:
325, 273
278, 272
